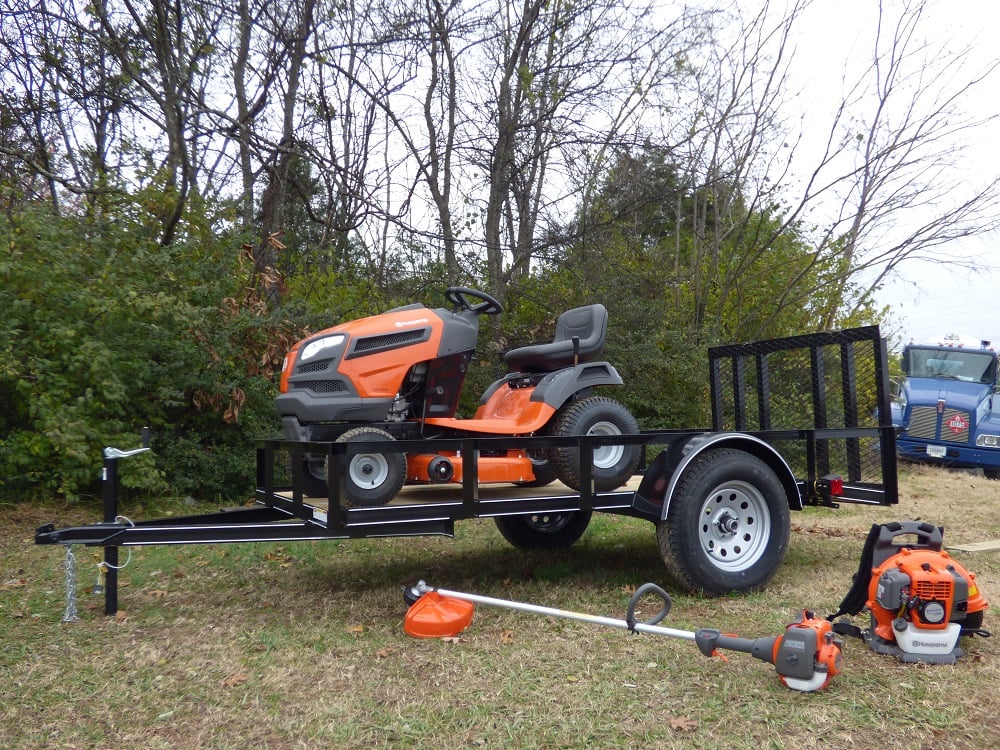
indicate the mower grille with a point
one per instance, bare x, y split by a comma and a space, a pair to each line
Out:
371, 344
320, 386
312, 367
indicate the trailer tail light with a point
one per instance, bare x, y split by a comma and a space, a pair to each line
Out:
832, 485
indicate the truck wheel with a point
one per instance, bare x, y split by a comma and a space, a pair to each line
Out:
372, 478
544, 530
991, 473
728, 524
613, 464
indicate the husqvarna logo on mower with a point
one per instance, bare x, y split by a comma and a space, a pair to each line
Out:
958, 424
402, 323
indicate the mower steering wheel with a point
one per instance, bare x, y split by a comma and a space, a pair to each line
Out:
457, 295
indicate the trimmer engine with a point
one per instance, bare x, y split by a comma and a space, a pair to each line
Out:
920, 599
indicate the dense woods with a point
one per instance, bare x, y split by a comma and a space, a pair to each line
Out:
188, 187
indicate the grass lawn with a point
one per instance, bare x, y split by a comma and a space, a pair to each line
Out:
301, 645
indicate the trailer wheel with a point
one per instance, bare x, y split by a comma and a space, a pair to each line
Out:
544, 530
728, 524
613, 464
372, 478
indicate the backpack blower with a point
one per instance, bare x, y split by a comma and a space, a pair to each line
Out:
921, 601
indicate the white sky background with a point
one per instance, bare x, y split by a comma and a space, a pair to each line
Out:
928, 299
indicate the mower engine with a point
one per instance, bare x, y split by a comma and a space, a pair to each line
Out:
920, 601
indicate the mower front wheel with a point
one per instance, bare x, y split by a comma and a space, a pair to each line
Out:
544, 530
373, 478
728, 524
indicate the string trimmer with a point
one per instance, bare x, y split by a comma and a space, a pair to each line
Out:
806, 656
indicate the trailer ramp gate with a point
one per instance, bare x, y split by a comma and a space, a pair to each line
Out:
820, 400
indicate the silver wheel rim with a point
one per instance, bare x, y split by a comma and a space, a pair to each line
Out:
734, 526
606, 456
368, 471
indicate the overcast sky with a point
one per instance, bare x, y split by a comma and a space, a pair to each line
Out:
930, 299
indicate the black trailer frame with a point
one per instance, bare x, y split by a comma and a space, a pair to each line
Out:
847, 455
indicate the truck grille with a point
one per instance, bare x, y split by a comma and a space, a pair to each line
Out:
924, 424
955, 426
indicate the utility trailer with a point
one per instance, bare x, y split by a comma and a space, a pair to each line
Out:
719, 498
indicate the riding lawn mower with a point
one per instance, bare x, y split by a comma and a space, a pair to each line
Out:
399, 375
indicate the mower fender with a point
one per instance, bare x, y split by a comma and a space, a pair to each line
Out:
656, 491
556, 388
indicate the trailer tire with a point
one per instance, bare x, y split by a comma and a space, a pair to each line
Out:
728, 524
544, 530
372, 479
613, 464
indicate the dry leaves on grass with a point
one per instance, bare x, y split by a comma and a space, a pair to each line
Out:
235, 680
683, 724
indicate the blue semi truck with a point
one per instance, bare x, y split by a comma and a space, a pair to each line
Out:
947, 405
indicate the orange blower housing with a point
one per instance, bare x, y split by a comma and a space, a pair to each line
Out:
920, 599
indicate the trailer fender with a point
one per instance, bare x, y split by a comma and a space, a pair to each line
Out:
660, 480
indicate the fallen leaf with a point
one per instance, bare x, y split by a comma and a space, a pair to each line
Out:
121, 616
451, 639
356, 629
158, 593
13, 583
235, 680
507, 637
382, 653
683, 724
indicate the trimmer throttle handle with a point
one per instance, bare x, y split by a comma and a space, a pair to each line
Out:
709, 639
643, 590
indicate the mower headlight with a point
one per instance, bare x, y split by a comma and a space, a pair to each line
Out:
988, 441
314, 348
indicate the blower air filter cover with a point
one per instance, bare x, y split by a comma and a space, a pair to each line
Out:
436, 616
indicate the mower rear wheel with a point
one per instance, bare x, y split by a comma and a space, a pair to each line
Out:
374, 478
727, 526
544, 530
613, 464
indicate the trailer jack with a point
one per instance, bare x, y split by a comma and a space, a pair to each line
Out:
806, 656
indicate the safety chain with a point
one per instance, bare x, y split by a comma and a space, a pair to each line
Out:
71, 615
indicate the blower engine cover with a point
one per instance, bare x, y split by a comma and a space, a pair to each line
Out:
921, 601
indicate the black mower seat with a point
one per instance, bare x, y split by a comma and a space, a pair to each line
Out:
589, 324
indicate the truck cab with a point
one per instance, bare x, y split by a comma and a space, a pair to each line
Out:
946, 405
